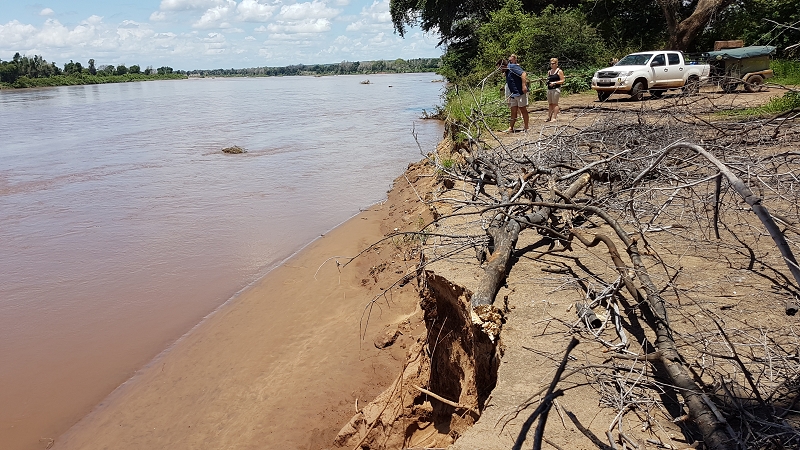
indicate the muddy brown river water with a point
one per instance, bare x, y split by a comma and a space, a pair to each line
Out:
122, 224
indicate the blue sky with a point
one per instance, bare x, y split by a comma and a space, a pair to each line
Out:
207, 34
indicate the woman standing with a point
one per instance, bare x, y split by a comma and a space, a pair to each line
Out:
555, 78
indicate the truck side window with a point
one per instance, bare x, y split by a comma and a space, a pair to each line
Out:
673, 58
658, 60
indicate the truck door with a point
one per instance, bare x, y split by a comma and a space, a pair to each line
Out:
675, 70
660, 71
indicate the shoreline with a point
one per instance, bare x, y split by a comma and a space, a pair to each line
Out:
240, 378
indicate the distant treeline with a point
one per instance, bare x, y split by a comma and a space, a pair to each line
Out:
24, 71
342, 68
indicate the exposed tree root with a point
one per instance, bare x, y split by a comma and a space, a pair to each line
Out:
444, 384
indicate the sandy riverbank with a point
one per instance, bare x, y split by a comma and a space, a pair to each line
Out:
281, 365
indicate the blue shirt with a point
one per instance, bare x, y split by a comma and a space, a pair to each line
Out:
514, 79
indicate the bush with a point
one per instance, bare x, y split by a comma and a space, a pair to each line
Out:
471, 110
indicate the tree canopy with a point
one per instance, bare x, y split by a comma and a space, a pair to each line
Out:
475, 33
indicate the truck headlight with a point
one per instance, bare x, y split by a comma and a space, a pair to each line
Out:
626, 74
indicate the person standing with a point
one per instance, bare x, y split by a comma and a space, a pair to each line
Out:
517, 81
555, 78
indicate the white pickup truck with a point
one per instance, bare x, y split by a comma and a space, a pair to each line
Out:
656, 71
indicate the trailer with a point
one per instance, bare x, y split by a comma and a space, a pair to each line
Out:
747, 66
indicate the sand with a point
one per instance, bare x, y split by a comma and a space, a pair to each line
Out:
280, 366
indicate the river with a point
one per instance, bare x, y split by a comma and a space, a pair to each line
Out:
123, 224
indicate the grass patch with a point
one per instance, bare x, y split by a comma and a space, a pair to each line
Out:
786, 72
787, 102
474, 109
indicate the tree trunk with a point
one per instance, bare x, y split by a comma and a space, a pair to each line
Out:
683, 32
505, 237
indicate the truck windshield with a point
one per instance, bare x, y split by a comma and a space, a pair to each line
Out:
638, 59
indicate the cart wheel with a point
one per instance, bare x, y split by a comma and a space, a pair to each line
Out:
754, 83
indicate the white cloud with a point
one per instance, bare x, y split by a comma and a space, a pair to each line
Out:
378, 11
93, 20
46, 12
217, 16
307, 10
188, 34
214, 38
187, 5
305, 26
296, 37
14, 33
373, 18
254, 11
129, 24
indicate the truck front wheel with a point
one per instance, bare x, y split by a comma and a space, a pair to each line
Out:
603, 96
637, 91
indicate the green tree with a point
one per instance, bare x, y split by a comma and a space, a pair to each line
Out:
8, 71
164, 70
135, 69
72, 68
627, 25
92, 68
121, 70
534, 38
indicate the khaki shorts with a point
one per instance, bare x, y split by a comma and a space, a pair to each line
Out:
553, 95
520, 101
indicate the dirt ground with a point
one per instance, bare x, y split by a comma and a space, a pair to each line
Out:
709, 286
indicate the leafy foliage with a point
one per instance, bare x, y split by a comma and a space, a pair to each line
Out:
534, 38
754, 21
627, 25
